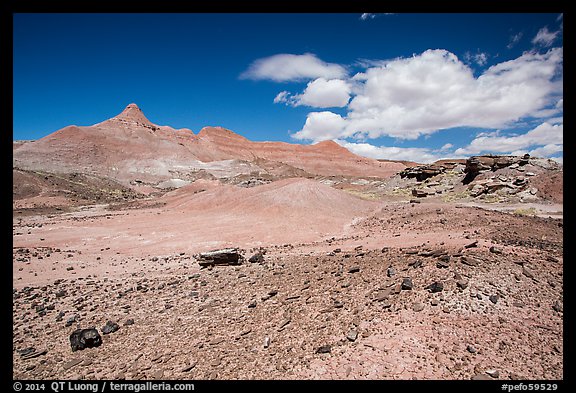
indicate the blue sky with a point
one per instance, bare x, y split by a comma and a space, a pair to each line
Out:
396, 86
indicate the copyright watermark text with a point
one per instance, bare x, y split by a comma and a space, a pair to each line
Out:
100, 386
509, 387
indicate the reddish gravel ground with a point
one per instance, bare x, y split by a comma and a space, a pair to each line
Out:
326, 302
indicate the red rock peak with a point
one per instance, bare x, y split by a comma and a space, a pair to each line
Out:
133, 114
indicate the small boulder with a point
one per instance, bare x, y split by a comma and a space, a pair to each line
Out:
71, 320
461, 283
527, 272
407, 284
85, 338
324, 349
227, 256
417, 263
480, 377
442, 264
352, 335
470, 261
110, 327
436, 286
257, 258
558, 306
495, 250
419, 193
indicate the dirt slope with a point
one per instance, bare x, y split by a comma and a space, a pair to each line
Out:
291, 210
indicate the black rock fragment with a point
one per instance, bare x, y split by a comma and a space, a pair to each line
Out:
85, 338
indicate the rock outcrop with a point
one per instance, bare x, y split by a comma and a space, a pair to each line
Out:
491, 177
423, 172
477, 164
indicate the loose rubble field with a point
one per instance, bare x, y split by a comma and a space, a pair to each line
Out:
429, 290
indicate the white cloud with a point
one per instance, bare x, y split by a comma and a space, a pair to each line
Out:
321, 126
560, 104
546, 134
323, 93
545, 37
288, 67
556, 120
545, 140
320, 93
514, 39
547, 150
479, 58
406, 98
281, 97
560, 19
416, 154
365, 16
409, 97
559, 160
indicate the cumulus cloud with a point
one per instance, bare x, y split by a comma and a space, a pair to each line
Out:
545, 140
409, 97
548, 137
288, 67
547, 150
320, 93
544, 37
416, 154
321, 126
